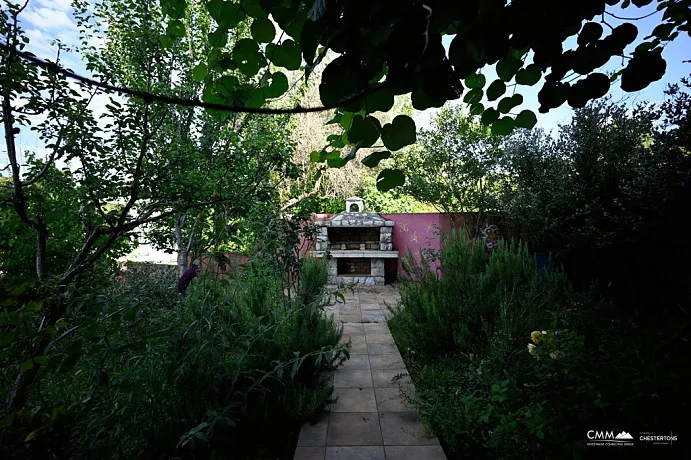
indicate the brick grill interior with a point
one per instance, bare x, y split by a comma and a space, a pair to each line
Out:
354, 266
354, 237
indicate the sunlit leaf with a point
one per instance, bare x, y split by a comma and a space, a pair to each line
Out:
200, 71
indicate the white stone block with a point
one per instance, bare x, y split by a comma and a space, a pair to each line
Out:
389, 223
369, 281
386, 230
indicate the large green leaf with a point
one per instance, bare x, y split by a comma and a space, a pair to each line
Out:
9, 337
508, 67
263, 30
529, 76
422, 101
225, 85
287, 55
503, 127
496, 90
645, 68
226, 14
254, 9
489, 116
380, 100
257, 98
390, 178
477, 109
218, 38
318, 156
590, 33
526, 119
473, 96
508, 103
176, 29
475, 80
364, 131
174, 9
399, 133
373, 159
277, 87
200, 71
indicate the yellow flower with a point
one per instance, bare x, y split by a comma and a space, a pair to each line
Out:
536, 336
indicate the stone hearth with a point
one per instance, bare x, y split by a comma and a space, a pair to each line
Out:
358, 242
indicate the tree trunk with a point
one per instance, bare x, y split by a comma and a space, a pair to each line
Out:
183, 253
19, 395
42, 237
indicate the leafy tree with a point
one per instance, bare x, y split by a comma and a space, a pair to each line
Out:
454, 166
138, 167
606, 198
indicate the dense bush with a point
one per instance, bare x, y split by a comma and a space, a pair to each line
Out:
229, 370
509, 363
607, 197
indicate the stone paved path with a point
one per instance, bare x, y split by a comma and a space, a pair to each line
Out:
370, 421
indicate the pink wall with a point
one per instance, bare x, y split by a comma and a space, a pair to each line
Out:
415, 232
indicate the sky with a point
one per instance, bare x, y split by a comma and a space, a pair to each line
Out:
46, 20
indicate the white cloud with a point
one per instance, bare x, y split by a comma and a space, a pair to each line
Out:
62, 5
48, 19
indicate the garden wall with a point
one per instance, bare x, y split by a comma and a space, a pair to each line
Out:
421, 232
414, 232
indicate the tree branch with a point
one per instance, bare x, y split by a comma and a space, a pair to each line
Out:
150, 97
292, 202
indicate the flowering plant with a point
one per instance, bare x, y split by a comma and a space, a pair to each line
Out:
556, 344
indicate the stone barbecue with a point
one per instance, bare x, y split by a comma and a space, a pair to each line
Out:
358, 242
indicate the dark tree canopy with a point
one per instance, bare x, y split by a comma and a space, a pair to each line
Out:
387, 48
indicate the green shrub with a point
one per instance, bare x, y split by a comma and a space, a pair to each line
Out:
509, 364
475, 299
464, 334
230, 370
